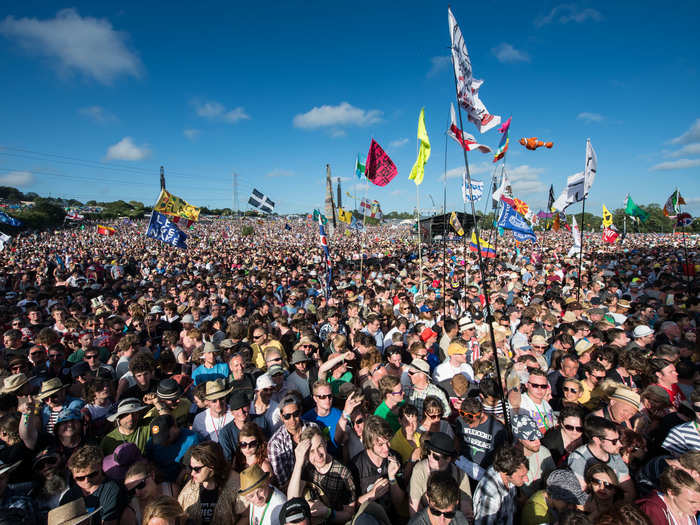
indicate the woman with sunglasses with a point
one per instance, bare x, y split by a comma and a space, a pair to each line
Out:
567, 436
142, 486
252, 449
603, 489
433, 421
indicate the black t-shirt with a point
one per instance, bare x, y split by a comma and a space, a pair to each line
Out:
135, 390
207, 503
479, 443
553, 442
367, 473
246, 384
108, 496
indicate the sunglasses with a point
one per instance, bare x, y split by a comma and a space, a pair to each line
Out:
91, 475
573, 428
249, 444
399, 393
258, 336
602, 483
54, 356
438, 457
696, 408
614, 441
323, 396
359, 421
142, 484
434, 416
569, 389
470, 415
537, 385
437, 513
290, 415
198, 468
90, 357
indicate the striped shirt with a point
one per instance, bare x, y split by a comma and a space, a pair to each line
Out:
682, 438
494, 503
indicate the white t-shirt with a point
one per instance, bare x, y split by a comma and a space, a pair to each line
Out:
446, 371
272, 514
272, 414
542, 414
209, 427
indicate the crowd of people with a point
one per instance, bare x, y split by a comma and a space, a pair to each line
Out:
226, 383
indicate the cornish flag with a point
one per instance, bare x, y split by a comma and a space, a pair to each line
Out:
261, 201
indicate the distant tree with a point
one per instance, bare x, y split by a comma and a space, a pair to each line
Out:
11, 194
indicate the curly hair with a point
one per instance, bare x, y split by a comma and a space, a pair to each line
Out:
141, 362
87, 456
509, 459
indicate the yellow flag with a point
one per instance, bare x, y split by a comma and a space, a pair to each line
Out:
454, 222
607, 217
344, 216
170, 204
418, 169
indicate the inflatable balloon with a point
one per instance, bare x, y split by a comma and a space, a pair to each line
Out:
532, 143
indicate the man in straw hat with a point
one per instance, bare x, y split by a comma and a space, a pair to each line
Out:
208, 424
129, 428
53, 393
17, 385
265, 501
72, 513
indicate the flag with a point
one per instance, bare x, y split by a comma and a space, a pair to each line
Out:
610, 235
344, 216
467, 86
379, 168
418, 169
356, 225
683, 220
8, 219
318, 216
323, 239
170, 204
359, 169
477, 188
555, 226
261, 201
573, 192
633, 210
467, 141
550, 202
607, 217
162, 229
74, 216
4, 239
503, 145
509, 219
187, 223
454, 222
371, 209
105, 230
591, 167
673, 204
487, 250
575, 232
503, 189
287, 227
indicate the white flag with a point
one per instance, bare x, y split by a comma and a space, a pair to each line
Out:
573, 193
591, 166
503, 189
467, 86
575, 232
477, 189
467, 140
4, 238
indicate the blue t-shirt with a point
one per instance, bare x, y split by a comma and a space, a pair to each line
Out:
327, 425
202, 374
168, 457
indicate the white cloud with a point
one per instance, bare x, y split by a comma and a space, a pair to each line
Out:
526, 179
85, 44
690, 136
590, 117
398, 143
191, 134
474, 169
125, 149
359, 187
98, 114
679, 164
565, 13
438, 64
506, 53
688, 149
344, 114
17, 178
216, 111
280, 173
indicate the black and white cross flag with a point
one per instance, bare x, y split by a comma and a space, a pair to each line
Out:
261, 201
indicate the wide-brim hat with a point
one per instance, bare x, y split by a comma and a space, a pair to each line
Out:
71, 513
628, 396
130, 405
13, 383
305, 341
50, 387
299, 356
441, 443
210, 348
216, 390
168, 389
252, 478
8, 467
420, 365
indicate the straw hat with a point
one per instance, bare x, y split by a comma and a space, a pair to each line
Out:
627, 395
71, 513
216, 390
50, 387
252, 478
305, 341
13, 383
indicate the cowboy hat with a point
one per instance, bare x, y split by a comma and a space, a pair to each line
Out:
71, 513
216, 389
50, 387
252, 478
13, 383
130, 405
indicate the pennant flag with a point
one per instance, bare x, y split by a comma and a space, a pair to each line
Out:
487, 250
379, 168
170, 204
673, 204
503, 145
477, 188
591, 167
550, 202
418, 169
7, 219
573, 192
684, 219
633, 210
105, 230
162, 229
371, 209
261, 201
356, 225
467, 141
4, 239
607, 217
610, 235
344, 216
454, 222
467, 86
509, 219
318, 216
359, 169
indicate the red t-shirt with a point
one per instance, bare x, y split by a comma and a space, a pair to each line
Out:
674, 394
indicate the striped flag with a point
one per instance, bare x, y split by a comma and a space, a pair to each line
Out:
261, 201
467, 141
503, 145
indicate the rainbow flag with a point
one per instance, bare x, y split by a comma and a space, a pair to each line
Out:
503, 145
487, 249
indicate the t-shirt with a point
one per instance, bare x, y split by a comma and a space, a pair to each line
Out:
536, 511
327, 425
582, 457
480, 443
385, 412
112, 440
542, 413
419, 481
207, 503
209, 427
337, 484
168, 457
268, 514
135, 390
674, 394
202, 374
367, 473
108, 496
404, 447
337, 383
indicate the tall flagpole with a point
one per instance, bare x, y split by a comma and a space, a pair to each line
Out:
444, 231
583, 225
420, 242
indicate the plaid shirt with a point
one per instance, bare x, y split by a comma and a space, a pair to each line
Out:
494, 503
337, 484
416, 397
280, 452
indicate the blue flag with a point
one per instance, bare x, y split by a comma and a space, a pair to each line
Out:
165, 231
287, 227
522, 237
4, 217
356, 225
509, 219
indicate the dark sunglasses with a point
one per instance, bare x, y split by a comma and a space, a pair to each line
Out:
434, 416
438, 457
569, 389
91, 475
290, 415
197, 468
38, 352
696, 408
359, 421
250, 444
90, 357
535, 385
573, 428
437, 513
142, 484
602, 483
323, 396
612, 441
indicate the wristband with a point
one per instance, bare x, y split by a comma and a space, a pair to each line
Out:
347, 417
392, 481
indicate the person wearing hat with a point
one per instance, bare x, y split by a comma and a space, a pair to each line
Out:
168, 445
16, 385
429, 338
168, 400
299, 379
116, 464
563, 492
421, 387
208, 423
456, 363
240, 412
295, 511
540, 462
642, 337
211, 369
439, 456
264, 501
263, 405
72, 513
332, 326
129, 426
53, 394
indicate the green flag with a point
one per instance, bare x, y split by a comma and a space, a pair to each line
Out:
635, 211
318, 214
359, 168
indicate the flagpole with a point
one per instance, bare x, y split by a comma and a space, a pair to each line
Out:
484, 284
362, 242
420, 242
444, 230
583, 227
685, 249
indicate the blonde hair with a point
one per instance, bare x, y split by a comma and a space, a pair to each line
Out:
165, 508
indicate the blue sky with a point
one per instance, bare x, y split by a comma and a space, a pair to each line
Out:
96, 96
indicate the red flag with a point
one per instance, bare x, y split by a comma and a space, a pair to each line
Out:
610, 235
467, 141
105, 230
379, 168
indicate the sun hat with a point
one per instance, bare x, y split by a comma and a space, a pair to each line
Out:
130, 405
68, 414
562, 484
456, 349
13, 383
305, 341
216, 390
209, 348
50, 387
427, 333
252, 478
569, 317
188, 318
118, 462
274, 370
524, 427
583, 346
72, 513
538, 340
263, 381
642, 331
441, 443
298, 356
628, 396
226, 343
420, 365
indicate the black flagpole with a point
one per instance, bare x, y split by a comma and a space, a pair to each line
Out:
444, 236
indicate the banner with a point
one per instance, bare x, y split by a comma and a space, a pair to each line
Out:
318, 216
418, 170
379, 168
684, 219
261, 201
170, 204
522, 237
162, 229
7, 219
610, 235
454, 222
371, 209
509, 219
607, 217
356, 225
477, 188
344, 216
466, 140
105, 230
